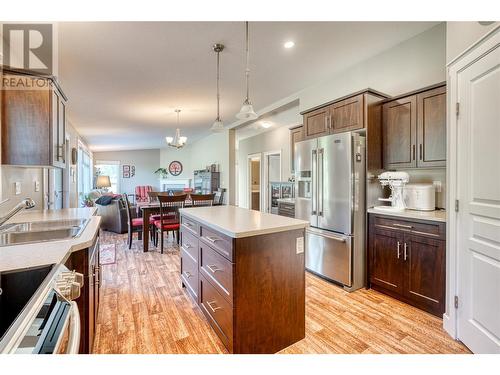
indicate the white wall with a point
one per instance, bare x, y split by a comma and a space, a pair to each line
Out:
217, 148
461, 35
145, 162
412, 64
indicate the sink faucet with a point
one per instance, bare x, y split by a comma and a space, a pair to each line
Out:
25, 204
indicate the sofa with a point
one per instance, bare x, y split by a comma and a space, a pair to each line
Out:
113, 215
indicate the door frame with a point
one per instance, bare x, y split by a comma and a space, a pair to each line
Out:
250, 157
264, 181
461, 62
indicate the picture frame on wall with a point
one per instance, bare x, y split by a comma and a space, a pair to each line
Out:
126, 174
126, 168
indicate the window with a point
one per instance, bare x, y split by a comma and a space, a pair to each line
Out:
111, 169
84, 171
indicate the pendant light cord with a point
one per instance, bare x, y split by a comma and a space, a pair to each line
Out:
247, 70
218, 91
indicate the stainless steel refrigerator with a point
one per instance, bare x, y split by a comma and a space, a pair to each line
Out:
330, 194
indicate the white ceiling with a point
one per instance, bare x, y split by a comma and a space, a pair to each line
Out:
124, 79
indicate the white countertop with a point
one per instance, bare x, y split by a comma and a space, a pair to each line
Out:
239, 222
437, 215
41, 253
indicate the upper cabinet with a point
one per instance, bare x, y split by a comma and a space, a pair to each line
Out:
414, 130
33, 120
317, 123
296, 135
341, 115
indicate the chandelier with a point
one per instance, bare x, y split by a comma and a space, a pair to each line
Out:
177, 141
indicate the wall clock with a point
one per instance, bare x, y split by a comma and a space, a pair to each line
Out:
175, 168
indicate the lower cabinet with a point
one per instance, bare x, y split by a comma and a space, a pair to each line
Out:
86, 262
407, 261
251, 289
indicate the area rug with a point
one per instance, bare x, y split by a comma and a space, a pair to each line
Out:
107, 254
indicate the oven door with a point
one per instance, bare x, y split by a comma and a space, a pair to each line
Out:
56, 328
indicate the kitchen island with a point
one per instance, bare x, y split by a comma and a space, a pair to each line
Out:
245, 269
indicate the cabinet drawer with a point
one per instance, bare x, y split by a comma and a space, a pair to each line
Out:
429, 229
189, 273
219, 242
189, 243
218, 311
217, 270
190, 225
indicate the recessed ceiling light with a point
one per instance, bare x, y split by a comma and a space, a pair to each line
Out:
265, 124
289, 44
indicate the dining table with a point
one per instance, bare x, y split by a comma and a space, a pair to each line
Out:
146, 209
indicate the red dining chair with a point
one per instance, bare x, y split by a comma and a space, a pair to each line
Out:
141, 193
134, 224
169, 216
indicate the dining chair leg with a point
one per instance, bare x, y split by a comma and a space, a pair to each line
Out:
139, 235
130, 234
178, 236
161, 241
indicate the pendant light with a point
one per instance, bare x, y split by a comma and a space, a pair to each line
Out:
218, 125
177, 141
246, 111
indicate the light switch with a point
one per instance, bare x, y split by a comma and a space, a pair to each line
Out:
17, 186
37, 186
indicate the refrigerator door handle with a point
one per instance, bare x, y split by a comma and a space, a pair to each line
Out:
321, 170
314, 183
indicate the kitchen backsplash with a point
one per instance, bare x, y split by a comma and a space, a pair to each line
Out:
431, 175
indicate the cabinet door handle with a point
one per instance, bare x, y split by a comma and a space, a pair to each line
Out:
188, 274
326, 123
420, 151
187, 246
405, 254
399, 252
214, 309
212, 239
402, 226
213, 268
413, 147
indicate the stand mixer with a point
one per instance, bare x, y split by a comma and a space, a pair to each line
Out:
396, 182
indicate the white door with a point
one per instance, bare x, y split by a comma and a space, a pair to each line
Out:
478, 191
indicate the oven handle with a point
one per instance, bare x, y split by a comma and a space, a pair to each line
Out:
74, 330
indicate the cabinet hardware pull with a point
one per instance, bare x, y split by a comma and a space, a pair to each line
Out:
212, 308
212, 239
326, 123
213, 268
402, 226
187, 246
188, 274
413, 152
399, 245
421, 149
405, 255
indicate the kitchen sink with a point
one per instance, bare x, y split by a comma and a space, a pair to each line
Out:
19, 233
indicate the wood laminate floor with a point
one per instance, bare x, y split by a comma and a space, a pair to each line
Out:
145, 310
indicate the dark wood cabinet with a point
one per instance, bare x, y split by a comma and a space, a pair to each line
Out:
296, 135
360, 110
400, 133
407, 260
317, 123
414, 129
431, 128
33, 117
235, 276
87, 262
347, 115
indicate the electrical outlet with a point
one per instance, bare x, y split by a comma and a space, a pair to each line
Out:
37, 186
17, 187
438, 185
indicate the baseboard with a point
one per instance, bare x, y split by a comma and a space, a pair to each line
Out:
449, 326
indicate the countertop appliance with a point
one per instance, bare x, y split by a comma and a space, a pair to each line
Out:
420, 197
37, 311
330, 194
279, 190
396, 182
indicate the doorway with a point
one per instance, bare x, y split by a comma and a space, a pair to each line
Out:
272, 174
254, 185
